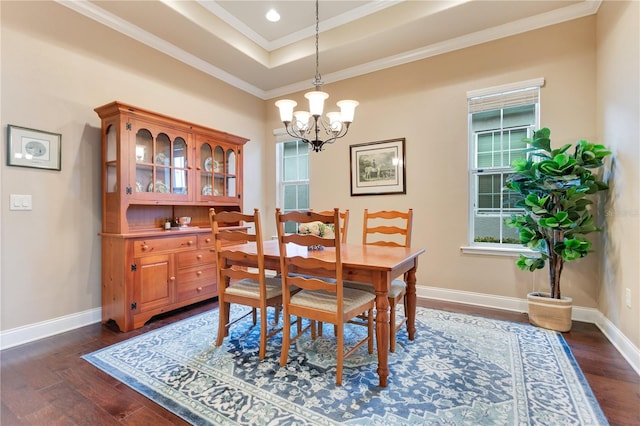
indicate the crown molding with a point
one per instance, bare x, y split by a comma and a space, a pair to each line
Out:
90, 10
574, 11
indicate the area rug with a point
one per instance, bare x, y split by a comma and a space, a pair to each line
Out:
460, 370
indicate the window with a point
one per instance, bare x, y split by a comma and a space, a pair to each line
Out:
293, 178
499, 119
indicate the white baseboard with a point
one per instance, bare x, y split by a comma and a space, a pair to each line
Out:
29, 333
620, 341
591, 315
20, 335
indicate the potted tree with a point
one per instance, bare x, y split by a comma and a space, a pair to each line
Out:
555, 187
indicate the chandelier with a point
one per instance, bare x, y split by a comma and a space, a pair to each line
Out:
310, 126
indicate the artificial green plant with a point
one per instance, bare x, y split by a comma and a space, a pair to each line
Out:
555, 188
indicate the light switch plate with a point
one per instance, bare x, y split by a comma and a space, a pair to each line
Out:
20, 202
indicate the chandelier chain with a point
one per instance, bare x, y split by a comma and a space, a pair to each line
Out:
310, 126
317, 82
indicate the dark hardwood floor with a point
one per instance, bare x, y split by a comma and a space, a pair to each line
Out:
47, 383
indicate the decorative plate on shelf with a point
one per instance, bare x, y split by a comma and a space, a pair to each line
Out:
162, 159
161, 187
206, 190
139, 187
208, 164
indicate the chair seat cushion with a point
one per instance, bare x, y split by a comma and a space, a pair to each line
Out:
250, 288
326, 301
398, 287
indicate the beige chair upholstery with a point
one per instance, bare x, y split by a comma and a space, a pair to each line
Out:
319, 299
244, 284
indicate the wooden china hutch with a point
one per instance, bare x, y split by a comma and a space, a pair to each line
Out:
155, 169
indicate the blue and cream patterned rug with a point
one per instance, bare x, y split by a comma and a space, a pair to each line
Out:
460, 370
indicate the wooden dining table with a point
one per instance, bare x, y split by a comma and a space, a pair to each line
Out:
371, 264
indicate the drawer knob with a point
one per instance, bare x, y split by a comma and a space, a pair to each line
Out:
207, 240
199, 273
145, 247
199, 288
199, 257
189, 243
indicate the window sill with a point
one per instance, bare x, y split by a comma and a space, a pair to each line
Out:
498, 251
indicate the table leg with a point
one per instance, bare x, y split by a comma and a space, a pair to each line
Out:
382, 334
411, 302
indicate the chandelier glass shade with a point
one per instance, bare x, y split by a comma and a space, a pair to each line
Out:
310, 126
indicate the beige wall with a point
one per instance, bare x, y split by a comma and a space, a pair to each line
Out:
425, 102
618, 68
55, 71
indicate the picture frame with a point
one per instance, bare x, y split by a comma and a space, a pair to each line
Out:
33, 148
378, 168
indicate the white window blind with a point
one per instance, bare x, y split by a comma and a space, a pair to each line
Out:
495, 98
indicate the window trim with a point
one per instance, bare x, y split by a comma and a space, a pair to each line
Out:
496, 249
510, 87
281, 138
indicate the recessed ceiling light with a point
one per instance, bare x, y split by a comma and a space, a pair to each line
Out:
272, 15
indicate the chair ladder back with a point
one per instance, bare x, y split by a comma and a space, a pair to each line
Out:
224, 239
396, 223
304, 268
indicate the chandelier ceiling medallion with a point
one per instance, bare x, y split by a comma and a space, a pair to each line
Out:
307, 125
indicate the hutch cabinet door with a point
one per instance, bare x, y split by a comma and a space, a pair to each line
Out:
206, 165
218, 168
154, 282
162, 156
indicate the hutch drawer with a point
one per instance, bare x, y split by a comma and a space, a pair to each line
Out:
147, 246
204, 257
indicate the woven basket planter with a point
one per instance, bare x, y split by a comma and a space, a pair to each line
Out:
545, 312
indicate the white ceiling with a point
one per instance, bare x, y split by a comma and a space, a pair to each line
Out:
232, 40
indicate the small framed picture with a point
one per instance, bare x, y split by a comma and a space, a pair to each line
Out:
33, 148
378, 168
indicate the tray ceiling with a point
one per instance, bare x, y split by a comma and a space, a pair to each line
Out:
232, 40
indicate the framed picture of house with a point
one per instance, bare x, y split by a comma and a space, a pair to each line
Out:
378, 168
33, 148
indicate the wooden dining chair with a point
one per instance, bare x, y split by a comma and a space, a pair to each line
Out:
344, 227
247, 284
320, 299
390, 229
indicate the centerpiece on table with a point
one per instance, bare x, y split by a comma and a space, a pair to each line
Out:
317, 228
